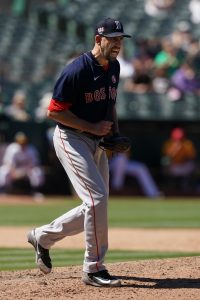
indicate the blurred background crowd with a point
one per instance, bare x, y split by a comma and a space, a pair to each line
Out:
159, 88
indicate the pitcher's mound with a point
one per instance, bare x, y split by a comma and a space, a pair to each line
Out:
147, 280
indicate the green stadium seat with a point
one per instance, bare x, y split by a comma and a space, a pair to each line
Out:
67, 27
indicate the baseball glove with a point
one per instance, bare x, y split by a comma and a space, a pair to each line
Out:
116, 143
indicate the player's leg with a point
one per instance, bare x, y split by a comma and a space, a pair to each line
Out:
101, 277
82, 166
118, 171
5, 177
36, 177
89, 185
97, 210
145, 179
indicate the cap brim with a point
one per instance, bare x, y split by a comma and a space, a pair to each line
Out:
115, 34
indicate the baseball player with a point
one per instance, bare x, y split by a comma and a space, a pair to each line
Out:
21, 161
122, 165
83, 106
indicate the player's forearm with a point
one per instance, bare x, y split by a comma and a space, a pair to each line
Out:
67, 118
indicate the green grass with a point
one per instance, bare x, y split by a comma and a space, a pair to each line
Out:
18, 259
171, 213
123, 212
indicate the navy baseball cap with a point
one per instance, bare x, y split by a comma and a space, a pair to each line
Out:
110, 28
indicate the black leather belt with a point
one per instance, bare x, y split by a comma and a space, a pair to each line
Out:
90, 135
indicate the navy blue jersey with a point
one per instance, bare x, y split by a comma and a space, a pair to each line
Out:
89, 89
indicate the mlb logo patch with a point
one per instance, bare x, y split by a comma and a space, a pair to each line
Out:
100, 30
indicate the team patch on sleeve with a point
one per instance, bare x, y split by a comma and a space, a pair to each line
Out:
56, 105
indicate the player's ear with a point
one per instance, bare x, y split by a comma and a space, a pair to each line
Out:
98, 39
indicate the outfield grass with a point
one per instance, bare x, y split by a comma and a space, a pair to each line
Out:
19, 259
123, 212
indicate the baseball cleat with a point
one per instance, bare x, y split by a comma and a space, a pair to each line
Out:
42, 257
101, 278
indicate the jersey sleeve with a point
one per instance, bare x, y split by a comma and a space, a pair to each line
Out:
67, 85
56, 105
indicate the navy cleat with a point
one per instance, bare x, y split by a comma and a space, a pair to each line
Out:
101, 278
42, 257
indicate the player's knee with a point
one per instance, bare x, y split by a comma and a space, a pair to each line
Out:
100, 197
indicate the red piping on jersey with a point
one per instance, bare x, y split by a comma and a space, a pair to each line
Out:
56, 105
93, 208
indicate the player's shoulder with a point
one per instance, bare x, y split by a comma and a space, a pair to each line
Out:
13, 147
11, 150
188, 142
79, 61
76, 66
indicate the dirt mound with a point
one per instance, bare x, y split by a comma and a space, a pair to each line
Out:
165, 279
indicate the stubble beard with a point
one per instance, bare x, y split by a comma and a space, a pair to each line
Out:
109, 57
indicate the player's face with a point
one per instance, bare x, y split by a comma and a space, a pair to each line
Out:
110, 47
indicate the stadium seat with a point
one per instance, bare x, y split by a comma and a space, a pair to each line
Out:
56, 31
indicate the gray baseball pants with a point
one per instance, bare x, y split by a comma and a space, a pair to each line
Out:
87, 168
